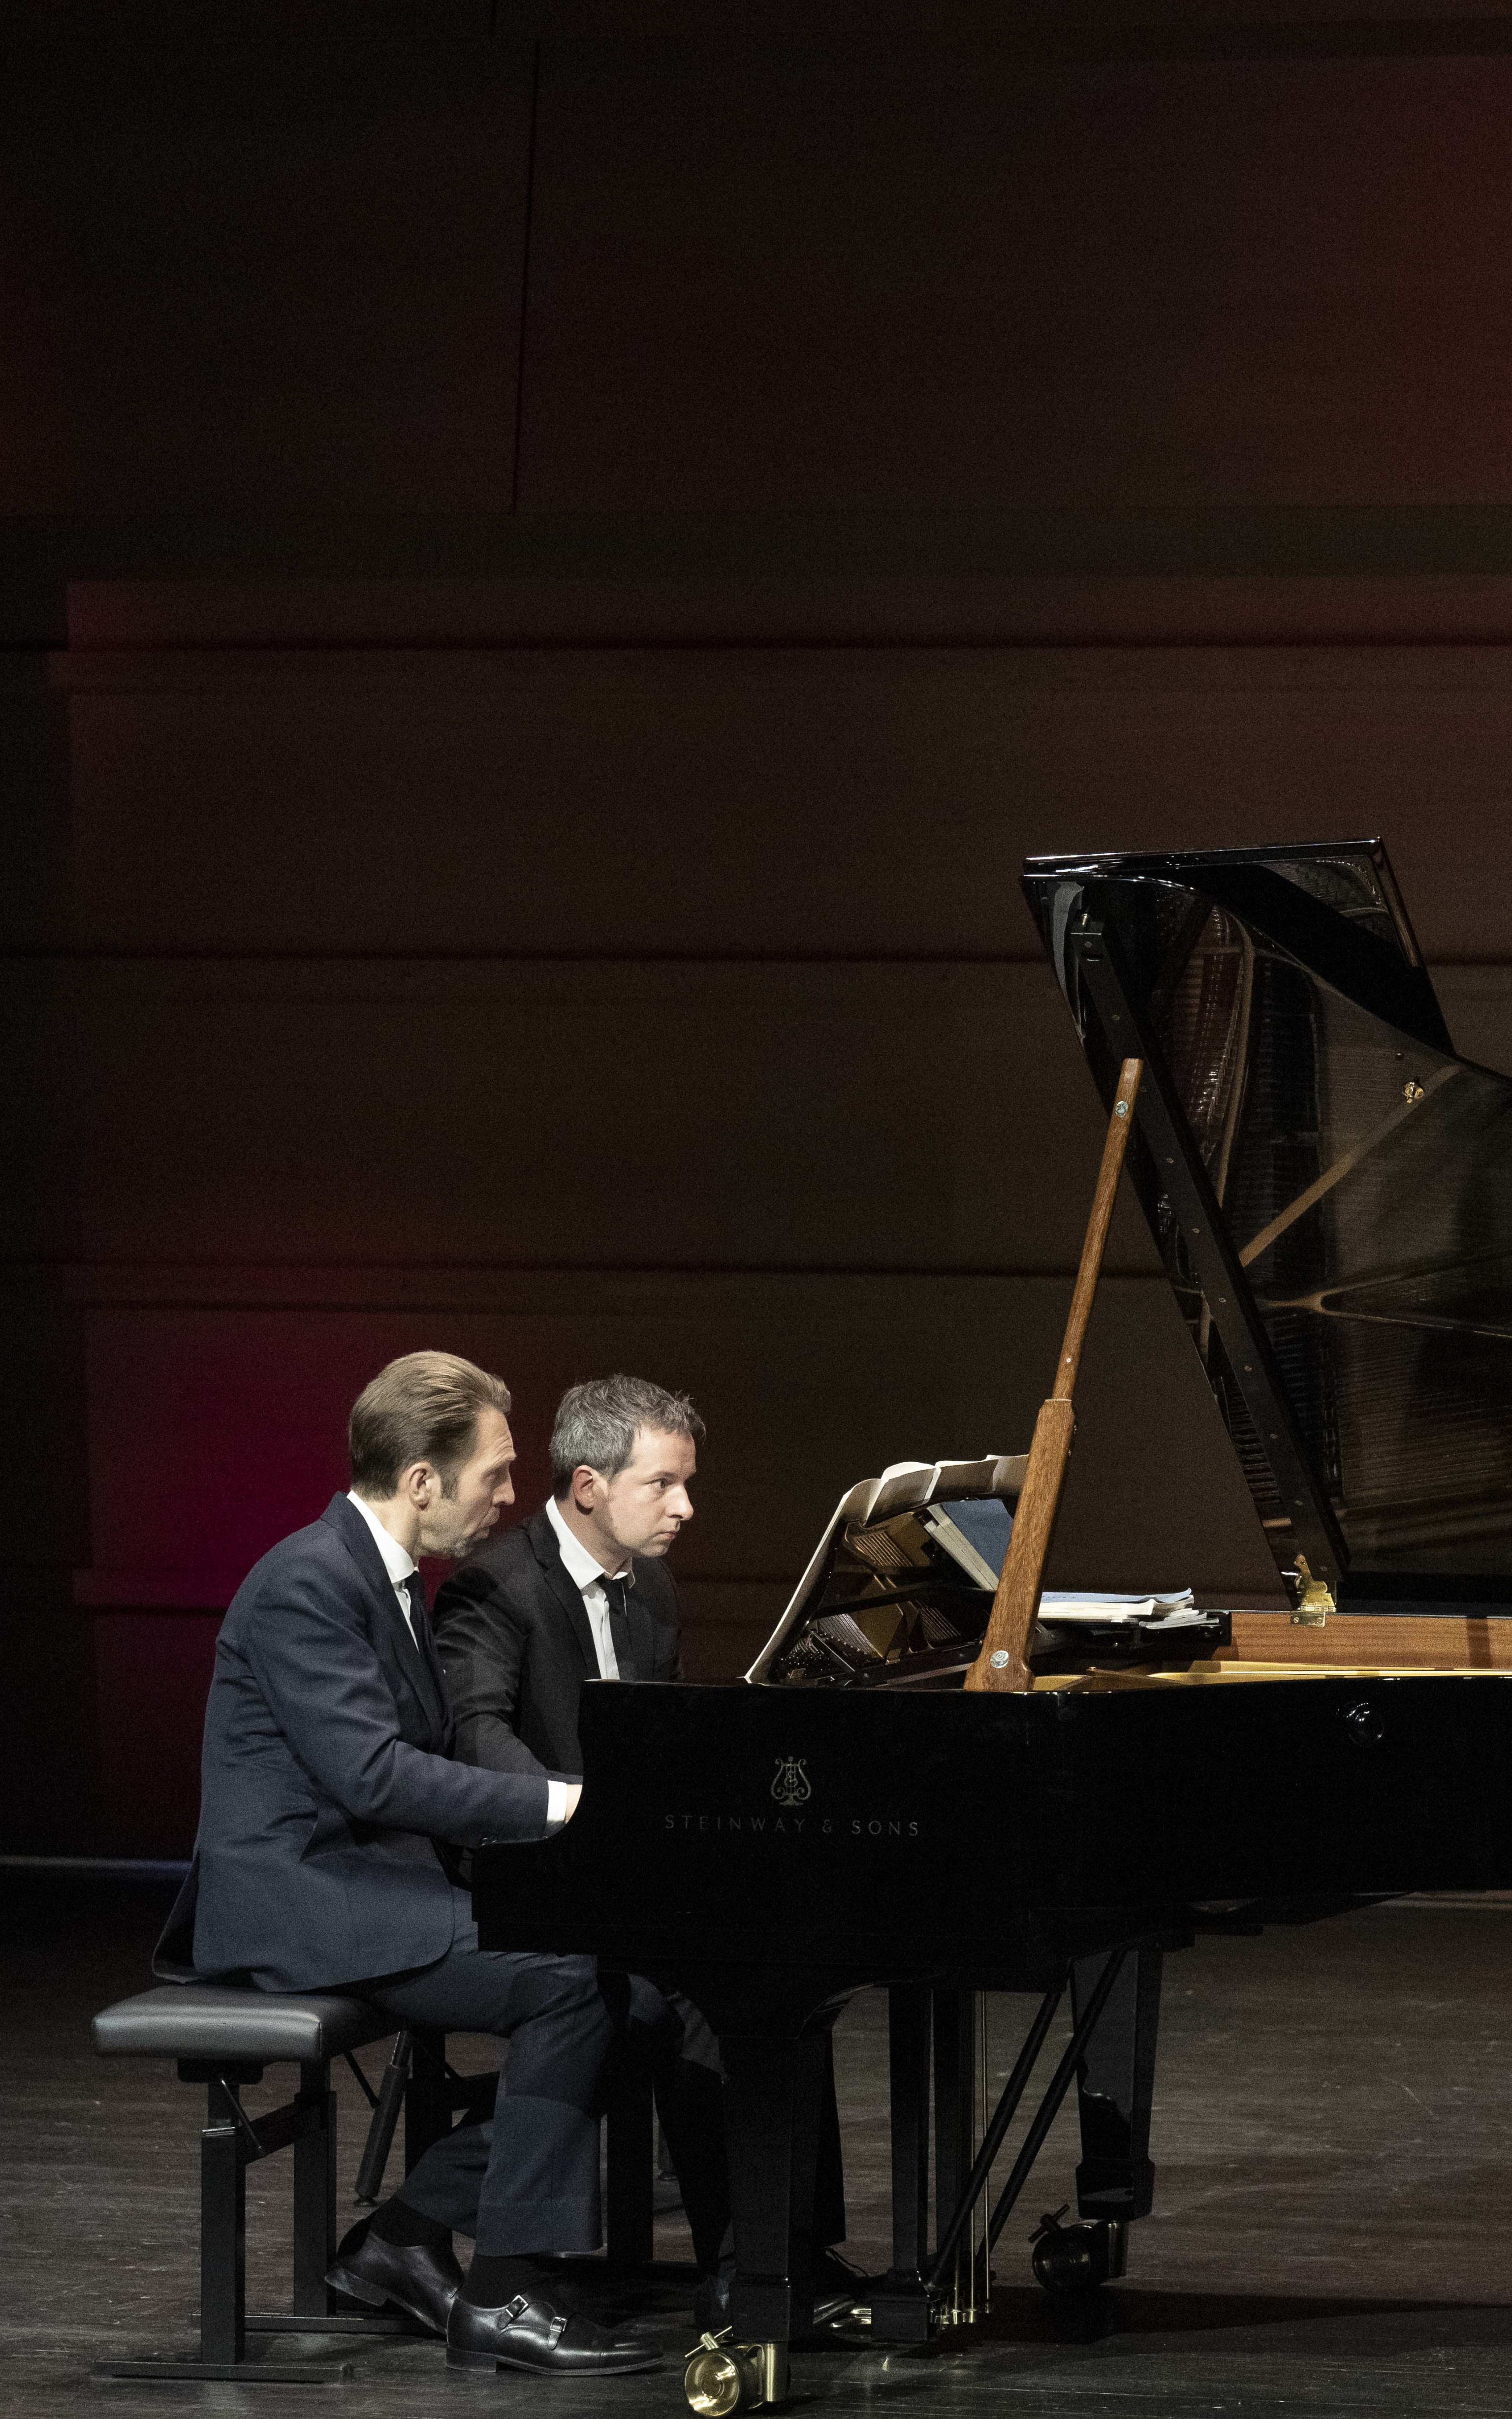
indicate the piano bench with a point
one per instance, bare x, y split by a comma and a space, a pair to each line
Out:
223, 2037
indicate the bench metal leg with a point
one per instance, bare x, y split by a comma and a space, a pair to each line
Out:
315, 2191
223, 2243
230, 2143
387, 2103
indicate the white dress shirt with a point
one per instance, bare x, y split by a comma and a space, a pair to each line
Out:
587, 1577
400, 1565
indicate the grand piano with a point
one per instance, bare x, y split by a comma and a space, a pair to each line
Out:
1329, 1190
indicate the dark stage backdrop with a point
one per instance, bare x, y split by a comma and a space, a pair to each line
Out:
550, 578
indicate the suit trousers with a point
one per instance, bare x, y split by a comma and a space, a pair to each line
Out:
526, 2179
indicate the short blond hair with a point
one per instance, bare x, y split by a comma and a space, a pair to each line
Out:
423, 1406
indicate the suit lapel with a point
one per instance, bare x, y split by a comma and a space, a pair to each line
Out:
431, 1663
409, 1664
422, 1665
547, 1553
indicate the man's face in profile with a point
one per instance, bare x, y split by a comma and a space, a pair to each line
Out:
460, 1515
647, 1505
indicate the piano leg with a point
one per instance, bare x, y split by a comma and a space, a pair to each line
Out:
1116, 2181
900, 2299
955, 2053
773, 2100
830, 2181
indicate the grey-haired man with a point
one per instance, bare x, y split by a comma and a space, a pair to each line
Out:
581, 1591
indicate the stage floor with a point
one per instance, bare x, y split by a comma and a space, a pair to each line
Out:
1332, 2143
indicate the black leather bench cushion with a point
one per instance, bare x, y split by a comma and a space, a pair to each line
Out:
215, 2020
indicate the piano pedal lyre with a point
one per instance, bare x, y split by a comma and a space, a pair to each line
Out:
970, 2294
722, 2376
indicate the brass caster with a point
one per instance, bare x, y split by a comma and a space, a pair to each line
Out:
722, 2377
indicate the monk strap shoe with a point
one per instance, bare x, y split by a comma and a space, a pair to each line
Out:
422, 2283
530, 2331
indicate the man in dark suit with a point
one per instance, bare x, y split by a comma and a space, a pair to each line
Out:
328, 1789
581, 1591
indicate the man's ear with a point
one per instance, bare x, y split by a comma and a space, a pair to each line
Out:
584, 1481
414, 1485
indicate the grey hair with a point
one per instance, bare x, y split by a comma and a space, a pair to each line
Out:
596, 1425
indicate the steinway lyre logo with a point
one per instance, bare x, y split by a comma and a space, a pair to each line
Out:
791, 1786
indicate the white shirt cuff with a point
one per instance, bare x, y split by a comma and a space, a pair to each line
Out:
556, 1805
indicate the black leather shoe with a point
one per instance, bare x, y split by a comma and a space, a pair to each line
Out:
423, 2284
530, 2331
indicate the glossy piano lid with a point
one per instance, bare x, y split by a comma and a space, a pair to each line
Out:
1330, 1189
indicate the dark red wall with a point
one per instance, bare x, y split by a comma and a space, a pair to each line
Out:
547, 585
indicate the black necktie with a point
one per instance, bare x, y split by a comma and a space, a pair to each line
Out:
619, 1626
415, 1590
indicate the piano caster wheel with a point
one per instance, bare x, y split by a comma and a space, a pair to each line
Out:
723, 2377
1078, 2259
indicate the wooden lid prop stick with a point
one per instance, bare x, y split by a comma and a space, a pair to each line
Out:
1003, 1662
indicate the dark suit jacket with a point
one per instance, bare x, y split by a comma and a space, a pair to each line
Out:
516, 1646
327, 1778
